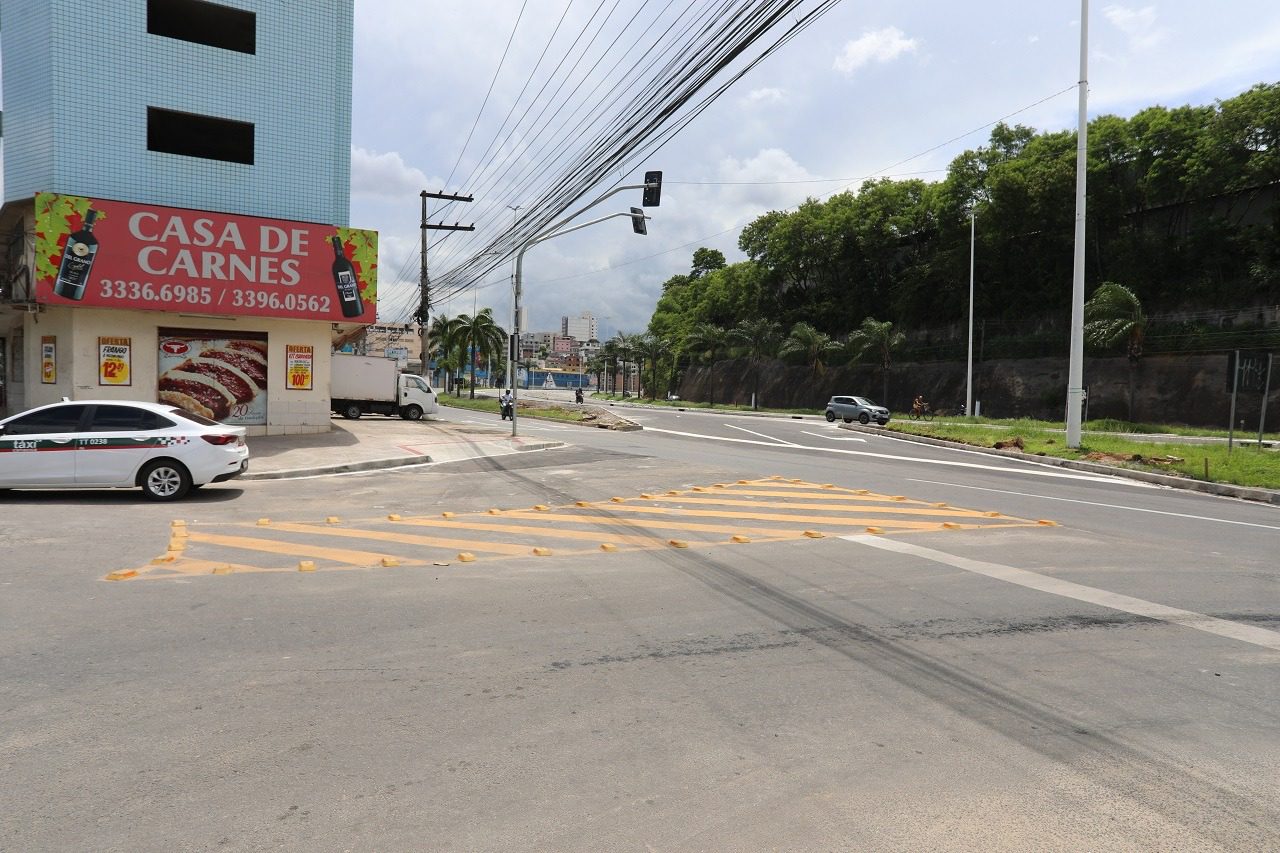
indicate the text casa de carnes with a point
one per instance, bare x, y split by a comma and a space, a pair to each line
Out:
206, 250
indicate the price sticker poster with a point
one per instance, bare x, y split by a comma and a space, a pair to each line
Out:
299, 367
115, 254
211, 374
115, 361
49, 360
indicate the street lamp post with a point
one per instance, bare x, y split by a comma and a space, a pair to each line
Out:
1075, 367
519, 274
968, 371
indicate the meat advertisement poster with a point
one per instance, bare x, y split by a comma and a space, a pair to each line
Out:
115, 254
212, 374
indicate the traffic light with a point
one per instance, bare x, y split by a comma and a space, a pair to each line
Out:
637, 220
652, 189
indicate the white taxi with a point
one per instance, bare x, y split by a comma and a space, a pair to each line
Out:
89, 444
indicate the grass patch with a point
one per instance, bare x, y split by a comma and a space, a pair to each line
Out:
490, 404
1244, 466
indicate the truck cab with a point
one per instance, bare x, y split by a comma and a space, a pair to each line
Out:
416, 398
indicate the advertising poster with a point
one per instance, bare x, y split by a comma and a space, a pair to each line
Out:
299, 364
214, 374
48, 360
115, 254
114, 361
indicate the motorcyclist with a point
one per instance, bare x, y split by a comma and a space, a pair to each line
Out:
577, 395
504, 403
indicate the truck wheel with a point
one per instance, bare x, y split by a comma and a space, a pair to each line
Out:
164, 480
411, 413
352, 412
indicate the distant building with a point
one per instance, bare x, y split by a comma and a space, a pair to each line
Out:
563, 345
582, 327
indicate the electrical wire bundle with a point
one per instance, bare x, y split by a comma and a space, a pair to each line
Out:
597, 115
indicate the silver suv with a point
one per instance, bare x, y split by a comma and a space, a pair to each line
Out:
859, 408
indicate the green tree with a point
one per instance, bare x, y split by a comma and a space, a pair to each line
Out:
706, 342
810, 347
879, 339
649, 349
481, 336
758, 339
1113, 315
443, 341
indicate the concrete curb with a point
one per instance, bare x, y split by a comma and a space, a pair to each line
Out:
376, 464
1220, 489
710, 411
346, 468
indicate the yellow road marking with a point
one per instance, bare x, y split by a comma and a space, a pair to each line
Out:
405, 539
552, 532
899, 509
831, 495
661, 524
757, 516
293, 549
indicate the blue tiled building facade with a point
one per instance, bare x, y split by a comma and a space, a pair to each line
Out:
91, 88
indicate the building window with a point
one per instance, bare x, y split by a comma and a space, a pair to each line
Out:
199, 136
203, 23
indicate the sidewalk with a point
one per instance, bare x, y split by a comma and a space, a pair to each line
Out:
378, 442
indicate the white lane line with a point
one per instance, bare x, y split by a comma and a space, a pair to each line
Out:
1034, 472
782, 441
1102, 505
1088, 594
833, 437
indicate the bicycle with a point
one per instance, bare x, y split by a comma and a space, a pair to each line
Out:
921, 413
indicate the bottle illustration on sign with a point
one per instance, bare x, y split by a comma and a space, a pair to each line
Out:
77, 260
344, 276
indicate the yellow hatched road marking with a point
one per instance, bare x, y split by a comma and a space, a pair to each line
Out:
758, 516
406, 539
559, 532
898, 509
658, 524
825, 495
293, 549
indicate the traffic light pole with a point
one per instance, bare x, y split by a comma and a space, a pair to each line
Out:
516, 283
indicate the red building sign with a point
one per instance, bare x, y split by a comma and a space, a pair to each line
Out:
114, 254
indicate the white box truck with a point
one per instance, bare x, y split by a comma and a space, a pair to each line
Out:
362, 384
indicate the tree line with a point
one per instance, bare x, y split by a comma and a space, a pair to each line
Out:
1182, 214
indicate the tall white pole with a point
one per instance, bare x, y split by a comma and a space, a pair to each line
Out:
968, 373
1075, 373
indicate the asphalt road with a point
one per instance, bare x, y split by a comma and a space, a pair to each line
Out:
934, 668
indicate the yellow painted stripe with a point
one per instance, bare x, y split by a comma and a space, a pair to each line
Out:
552, 532
405, 538
824, 495
901, 508
654, 523
293, 549
800, 520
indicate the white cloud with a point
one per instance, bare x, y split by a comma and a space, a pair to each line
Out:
769, 95
385, 175
1138, 24
877, 46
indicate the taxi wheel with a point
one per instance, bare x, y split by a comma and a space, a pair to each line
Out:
864, 418
831, 416
164, 480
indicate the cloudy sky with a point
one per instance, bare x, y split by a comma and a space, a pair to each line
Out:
886, 89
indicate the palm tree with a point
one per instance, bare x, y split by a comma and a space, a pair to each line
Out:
1114, 314
758, 339
482, 336
707, 341
650, 348
443, 340
809, 346
625, 346
609, 353
596, 366
877, 337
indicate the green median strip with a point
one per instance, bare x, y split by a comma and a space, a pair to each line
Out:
1245, 465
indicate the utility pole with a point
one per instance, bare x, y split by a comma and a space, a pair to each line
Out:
424, 282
